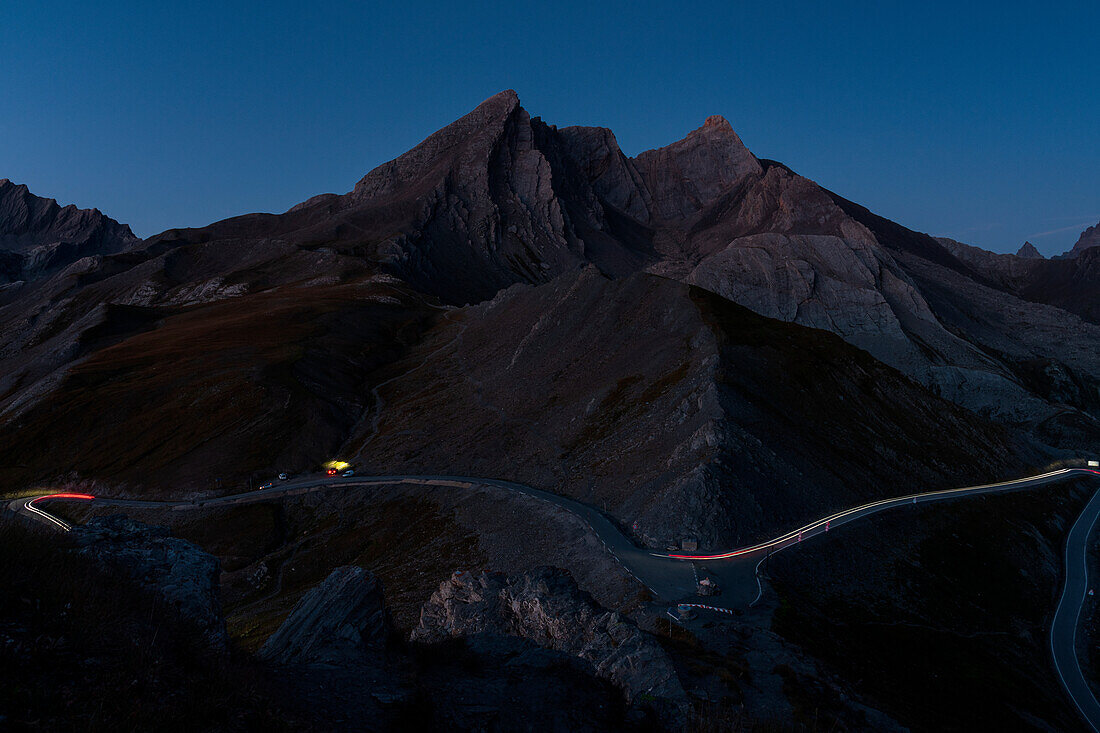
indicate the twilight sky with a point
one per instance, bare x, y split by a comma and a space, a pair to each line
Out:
971, 120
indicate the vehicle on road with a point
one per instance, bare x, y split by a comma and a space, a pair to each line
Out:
268, 485
349, 472
283, 477
333, 468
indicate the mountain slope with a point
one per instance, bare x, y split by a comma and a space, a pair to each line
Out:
499, 198
697, 418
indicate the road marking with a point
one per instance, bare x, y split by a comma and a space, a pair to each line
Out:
872, 507
1077, 616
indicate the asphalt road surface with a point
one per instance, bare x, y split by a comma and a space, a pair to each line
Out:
672, 576
1063, 630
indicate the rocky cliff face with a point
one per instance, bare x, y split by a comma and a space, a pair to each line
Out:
38, 237
546, 607
688, 176
185, 576
340, 622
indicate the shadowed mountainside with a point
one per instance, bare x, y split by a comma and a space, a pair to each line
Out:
269, 340
699, 342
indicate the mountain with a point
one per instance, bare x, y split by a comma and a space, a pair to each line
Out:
1089, 238
1068, 283
699, 342
500, 198
1028, 251
39, 237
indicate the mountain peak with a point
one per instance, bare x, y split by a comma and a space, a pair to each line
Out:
471, 136
1028, 251
717, 121
11, 188
691, 173
507, 96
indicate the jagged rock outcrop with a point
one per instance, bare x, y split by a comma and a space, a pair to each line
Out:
183, 574
546, 607
1089, 238
39, 237
1028, 251
340, 622
614, 177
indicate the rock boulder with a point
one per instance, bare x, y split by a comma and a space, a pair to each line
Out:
182, 574
545, 606
342, 621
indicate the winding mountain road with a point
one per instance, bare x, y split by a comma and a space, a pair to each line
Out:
1067, 616
671, 576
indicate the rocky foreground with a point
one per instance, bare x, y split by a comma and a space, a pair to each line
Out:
342, 623
546, 607
183, 575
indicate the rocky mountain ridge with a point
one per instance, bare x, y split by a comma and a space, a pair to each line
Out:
500, 197
38, 237
1089, 238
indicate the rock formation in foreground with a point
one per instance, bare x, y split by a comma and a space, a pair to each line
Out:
334, 644
342, 621
546, 607
183, 574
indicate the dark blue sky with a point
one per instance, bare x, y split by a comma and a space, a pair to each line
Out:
972, 120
